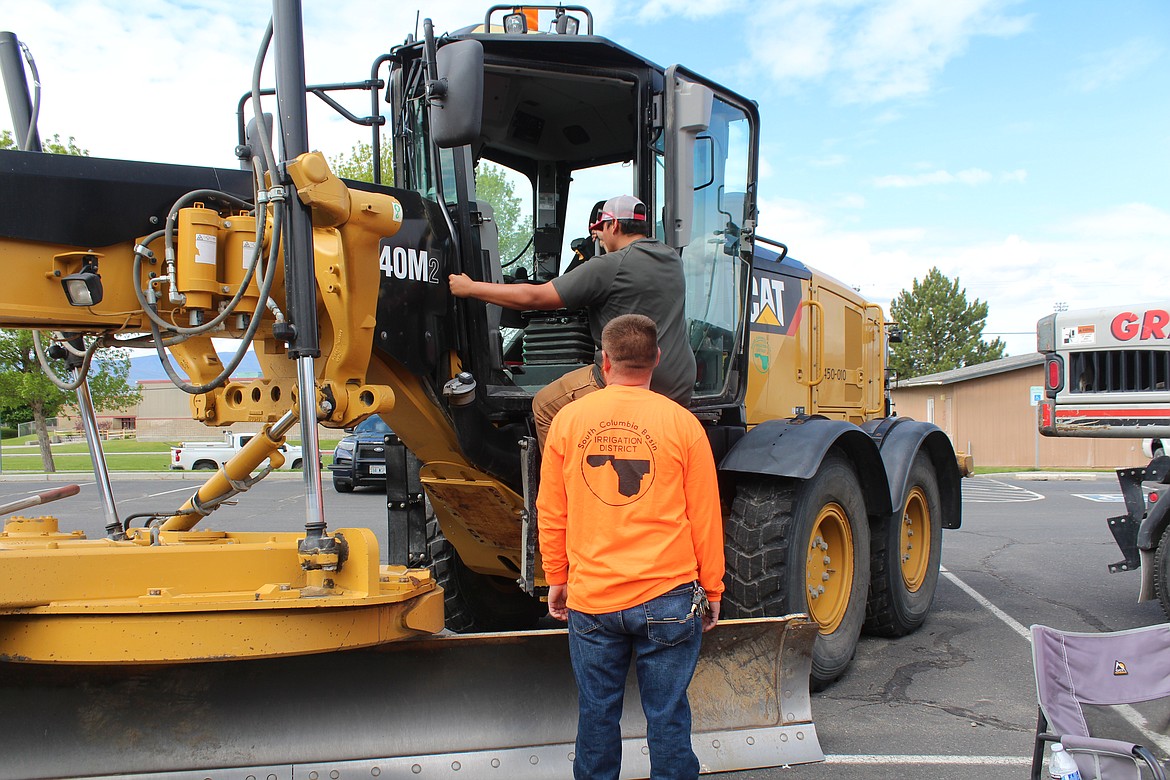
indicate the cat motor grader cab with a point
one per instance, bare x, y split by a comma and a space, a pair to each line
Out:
177, 651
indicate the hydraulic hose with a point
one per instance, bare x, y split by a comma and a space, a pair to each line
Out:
81, 372
265, 290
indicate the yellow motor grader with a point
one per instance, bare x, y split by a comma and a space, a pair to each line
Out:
171, 649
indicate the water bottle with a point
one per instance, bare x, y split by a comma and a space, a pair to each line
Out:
1062, 766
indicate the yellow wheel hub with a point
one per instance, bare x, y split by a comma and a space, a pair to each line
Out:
914, 540
829, 568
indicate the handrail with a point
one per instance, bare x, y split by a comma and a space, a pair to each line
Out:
866, 411
815, 357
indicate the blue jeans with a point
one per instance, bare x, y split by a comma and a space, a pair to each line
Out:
665, 639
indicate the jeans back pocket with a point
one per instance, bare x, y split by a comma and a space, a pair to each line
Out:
668, 617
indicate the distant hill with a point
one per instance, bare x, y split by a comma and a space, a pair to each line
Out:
148, 367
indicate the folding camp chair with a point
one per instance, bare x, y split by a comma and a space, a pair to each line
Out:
1074, 670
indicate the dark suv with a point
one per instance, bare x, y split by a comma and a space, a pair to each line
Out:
359, 460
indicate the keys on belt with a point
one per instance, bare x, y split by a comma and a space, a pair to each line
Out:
699, 603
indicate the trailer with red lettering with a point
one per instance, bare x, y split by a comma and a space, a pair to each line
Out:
1107, 375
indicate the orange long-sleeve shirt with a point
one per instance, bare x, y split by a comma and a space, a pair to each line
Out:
628, 506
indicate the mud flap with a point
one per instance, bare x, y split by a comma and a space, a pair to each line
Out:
452, 706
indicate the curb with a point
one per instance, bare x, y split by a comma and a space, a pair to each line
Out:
1061, 476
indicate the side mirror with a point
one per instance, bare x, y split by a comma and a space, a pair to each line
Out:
457, 96
688, 113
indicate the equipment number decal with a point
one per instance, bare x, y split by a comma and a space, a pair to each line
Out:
415, 265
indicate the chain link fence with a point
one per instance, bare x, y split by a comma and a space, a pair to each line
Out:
27, 429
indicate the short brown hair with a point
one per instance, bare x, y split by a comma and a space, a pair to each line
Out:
631, 342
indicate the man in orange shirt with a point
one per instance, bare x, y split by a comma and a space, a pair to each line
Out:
631, 537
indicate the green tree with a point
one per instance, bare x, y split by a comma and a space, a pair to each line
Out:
491, 184
940, 329
358, 163
13, 416
53, 145
24, 384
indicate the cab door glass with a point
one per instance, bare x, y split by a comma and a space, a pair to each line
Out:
590, 185
511, 196
716, 273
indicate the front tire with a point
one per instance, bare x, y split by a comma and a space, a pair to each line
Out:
477, 602
1162, 572
906, 552
342, 487
803, 546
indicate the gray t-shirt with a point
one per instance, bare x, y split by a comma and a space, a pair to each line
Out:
646, 277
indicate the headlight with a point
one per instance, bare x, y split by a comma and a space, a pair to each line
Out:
344, 447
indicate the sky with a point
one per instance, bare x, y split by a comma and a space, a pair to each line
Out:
1022, 147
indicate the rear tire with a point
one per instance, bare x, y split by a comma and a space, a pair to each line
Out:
477, 602
906, 550
205, 465
1162, 572
296, 466
788, 539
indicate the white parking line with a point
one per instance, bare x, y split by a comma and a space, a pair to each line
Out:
1131, 716
984, 490
927, 759
1011, 622
168, 492
42, 488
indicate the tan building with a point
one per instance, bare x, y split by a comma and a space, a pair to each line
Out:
989, 411
164, 414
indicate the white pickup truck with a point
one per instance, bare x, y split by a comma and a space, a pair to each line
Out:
210, 455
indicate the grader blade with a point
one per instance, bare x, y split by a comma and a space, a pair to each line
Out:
486, 705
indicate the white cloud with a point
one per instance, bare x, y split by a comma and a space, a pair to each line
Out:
1085, 260
852, 201
187, 66
829, 161
1105, 68
871, 50
654, 10
766, 169
970, 177
1130, 221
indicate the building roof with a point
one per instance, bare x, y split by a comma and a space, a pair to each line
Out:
955, 375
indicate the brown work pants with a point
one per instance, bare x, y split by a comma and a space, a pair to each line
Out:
556, 395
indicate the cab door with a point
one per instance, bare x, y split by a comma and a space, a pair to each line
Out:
707, 189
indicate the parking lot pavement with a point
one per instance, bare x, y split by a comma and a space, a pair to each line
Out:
954, 699
957, 698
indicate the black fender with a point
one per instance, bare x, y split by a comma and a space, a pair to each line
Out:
899, 440
1154, 524
795, 448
